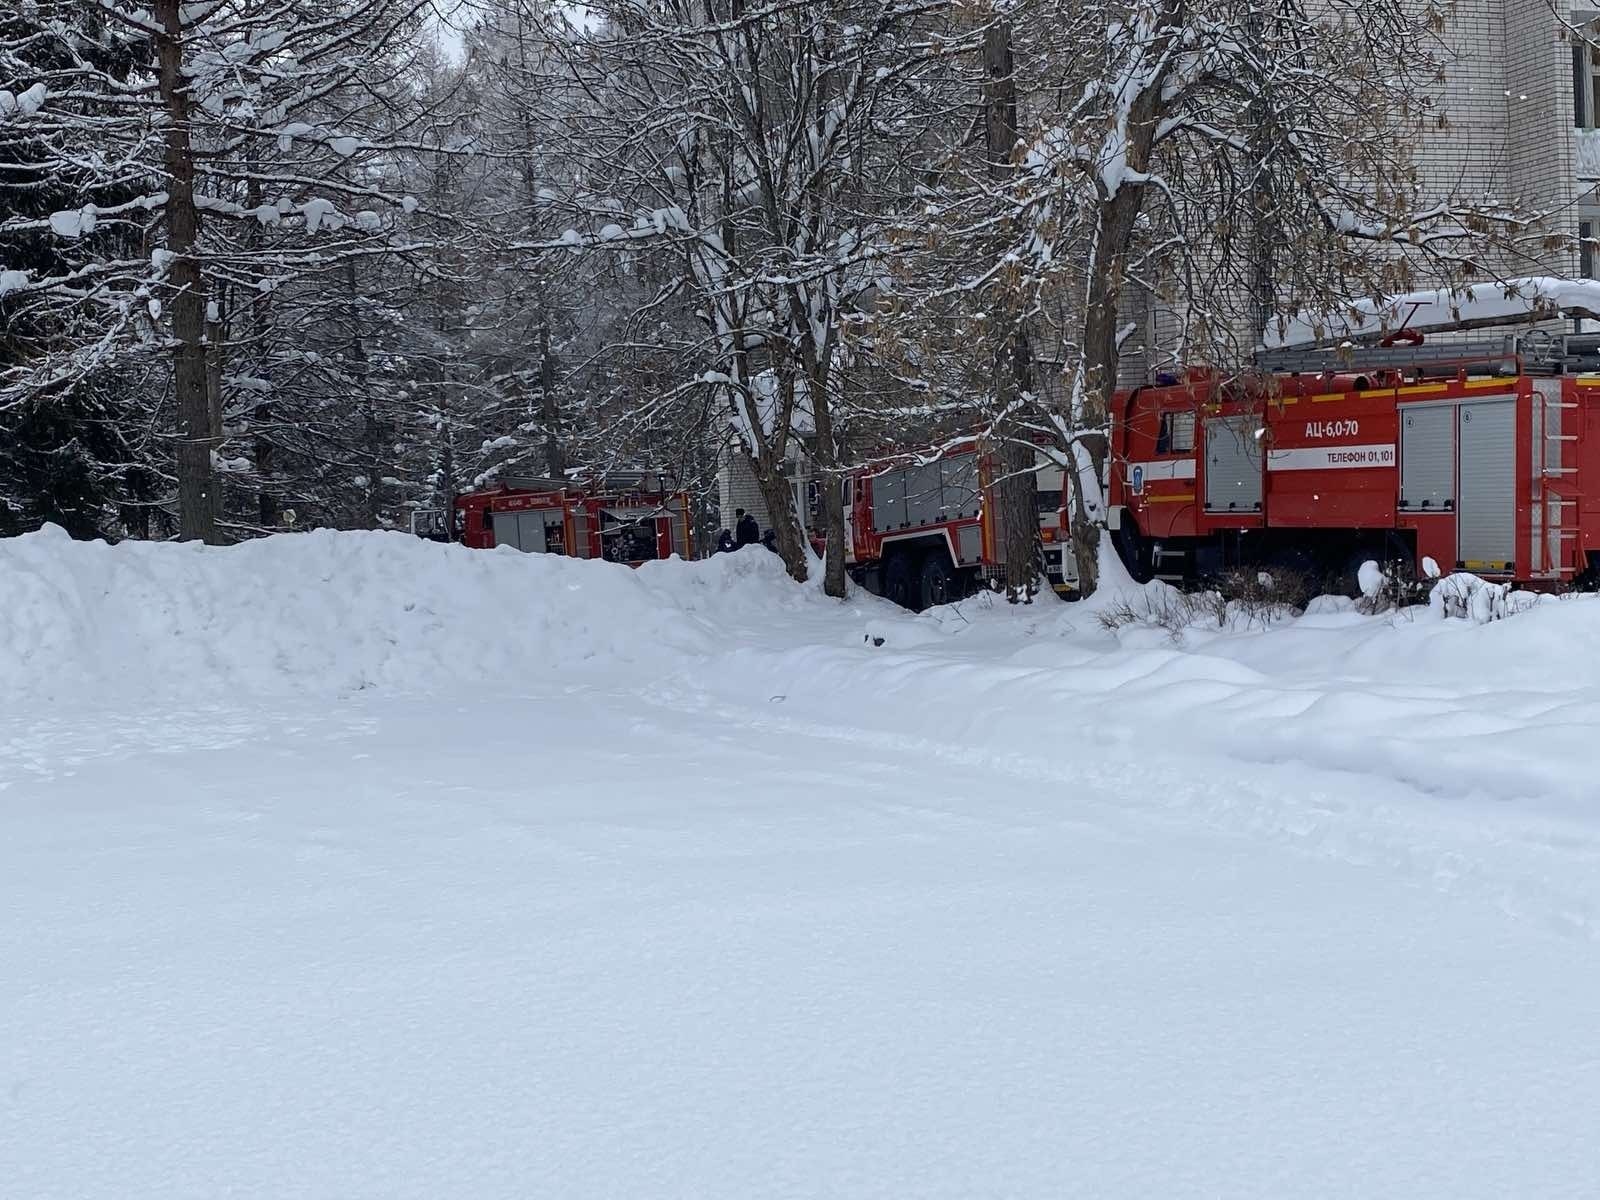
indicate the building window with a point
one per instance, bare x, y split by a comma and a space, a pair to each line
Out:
1586, 85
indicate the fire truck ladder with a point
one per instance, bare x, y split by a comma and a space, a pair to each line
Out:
1534, 353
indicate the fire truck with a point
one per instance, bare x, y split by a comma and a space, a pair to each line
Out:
1480, 456
626, 517
928, 533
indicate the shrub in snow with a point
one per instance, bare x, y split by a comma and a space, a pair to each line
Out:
1371, 579
1155, 605
1375, 587
1391, 586
1465, 596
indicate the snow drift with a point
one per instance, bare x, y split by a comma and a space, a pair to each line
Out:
335, 613
1408, 695
339, 612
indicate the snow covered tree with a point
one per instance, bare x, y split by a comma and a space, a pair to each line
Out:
738, 151
258, 146
73, 450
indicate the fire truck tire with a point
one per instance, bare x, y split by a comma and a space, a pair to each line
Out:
1131, 549
939, 584
898, 585
1588, 580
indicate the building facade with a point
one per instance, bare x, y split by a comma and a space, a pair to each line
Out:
1521, 101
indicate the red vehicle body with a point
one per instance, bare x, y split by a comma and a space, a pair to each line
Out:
1497, 474
927, 533
626, 519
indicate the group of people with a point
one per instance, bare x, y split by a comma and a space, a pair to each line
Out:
746, 532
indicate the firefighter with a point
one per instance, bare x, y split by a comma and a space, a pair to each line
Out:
746, 532
725, 543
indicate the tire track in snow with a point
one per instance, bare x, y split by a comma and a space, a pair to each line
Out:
1535, 872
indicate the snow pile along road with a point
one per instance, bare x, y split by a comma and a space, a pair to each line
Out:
333, 612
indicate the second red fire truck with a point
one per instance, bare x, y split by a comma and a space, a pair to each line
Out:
926, 533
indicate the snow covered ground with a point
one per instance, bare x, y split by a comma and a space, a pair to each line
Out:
349, 866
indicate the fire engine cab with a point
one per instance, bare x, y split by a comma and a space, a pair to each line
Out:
621, 517
1482, 457
929, 532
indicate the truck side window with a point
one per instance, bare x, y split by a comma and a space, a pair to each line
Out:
1177, 433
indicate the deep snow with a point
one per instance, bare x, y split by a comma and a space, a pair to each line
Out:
353, 866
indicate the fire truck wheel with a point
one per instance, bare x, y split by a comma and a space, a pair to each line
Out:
1131, 549
938, 581
897, 580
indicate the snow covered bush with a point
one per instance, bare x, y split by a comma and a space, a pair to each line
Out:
1155, 605
1467, 597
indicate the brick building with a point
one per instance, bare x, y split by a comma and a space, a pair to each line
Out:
1522, 99
736, 478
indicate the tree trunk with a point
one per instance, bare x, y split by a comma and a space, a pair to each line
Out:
826, 457
216, 362
1019, 510
447, 479
1019, 518
1097, 380
269, 511
1117, 215
555, 453
372, 431
778, 493
197, 491
769, 464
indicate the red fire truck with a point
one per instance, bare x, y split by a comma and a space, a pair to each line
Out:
927, 533
1481, 457
621, 517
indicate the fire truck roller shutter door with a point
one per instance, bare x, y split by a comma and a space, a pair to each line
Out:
530, 530
580, 547
1233, 465
960, 479
924, 495
1486, 523
969, 543
889, 501
1427, 458
506, 530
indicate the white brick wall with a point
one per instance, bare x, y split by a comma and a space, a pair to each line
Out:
737, 488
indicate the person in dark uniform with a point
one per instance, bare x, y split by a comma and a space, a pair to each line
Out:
725, 542
746, 532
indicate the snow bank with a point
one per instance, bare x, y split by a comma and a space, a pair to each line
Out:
1406, 696
1451, 708
339, 612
